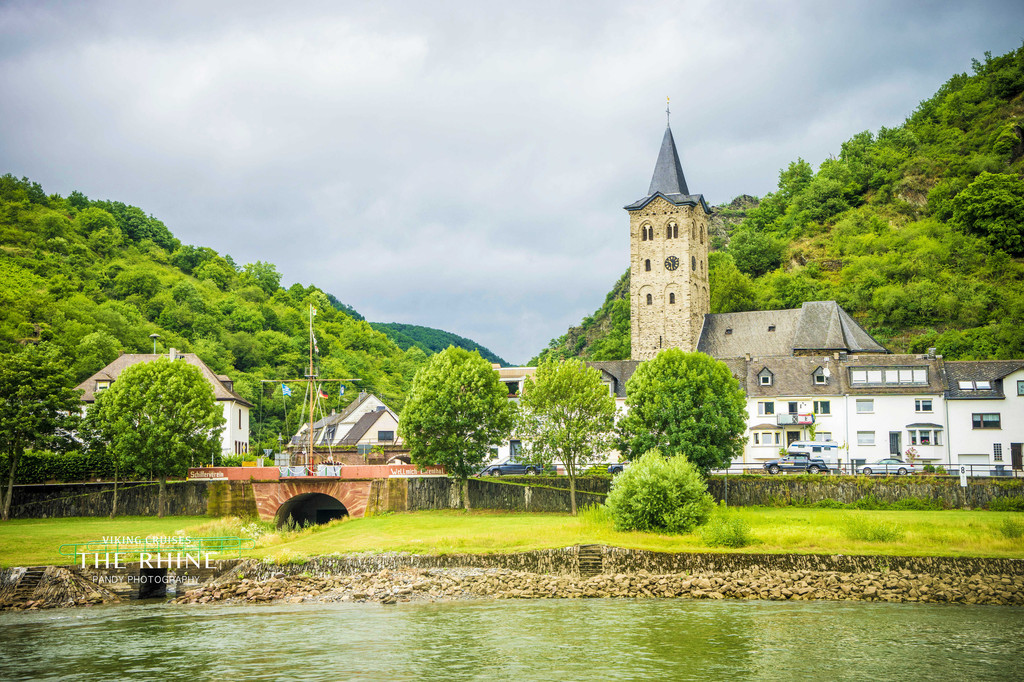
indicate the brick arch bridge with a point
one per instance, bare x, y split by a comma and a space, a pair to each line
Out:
272, 495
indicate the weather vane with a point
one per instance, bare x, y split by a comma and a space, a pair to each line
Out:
668, 113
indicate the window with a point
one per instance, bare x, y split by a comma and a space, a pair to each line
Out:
764, 377
701, 234
764, 409
1020, 388
647, 265
865, 438
986, 421
648, 232
239, 419
693, 263
102, 385
979, 386
823, 436
675, 231
771, 327
793, 407
822, 407
671, 231
925, 436
983, 385
865, 406
997, 452
923, 405
650, 299
819, 374
757, 439
671, 298
385, 436
889, 375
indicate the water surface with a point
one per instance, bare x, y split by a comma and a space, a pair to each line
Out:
518, 640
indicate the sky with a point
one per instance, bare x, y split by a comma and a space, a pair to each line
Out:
459, 165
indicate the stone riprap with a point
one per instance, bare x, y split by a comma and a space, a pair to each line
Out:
437, 584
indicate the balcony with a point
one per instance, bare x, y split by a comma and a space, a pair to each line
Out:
794, 419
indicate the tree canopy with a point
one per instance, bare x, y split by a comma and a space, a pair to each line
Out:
457, 410
39, 406
158, 418
684, 403
566, 414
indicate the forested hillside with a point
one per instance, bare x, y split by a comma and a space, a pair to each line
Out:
98, 277
431, 340
918, 231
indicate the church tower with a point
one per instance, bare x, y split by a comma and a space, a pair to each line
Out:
668, 236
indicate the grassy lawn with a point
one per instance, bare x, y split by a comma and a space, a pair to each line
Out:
775, 530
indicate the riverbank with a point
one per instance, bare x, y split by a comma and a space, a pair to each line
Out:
581, 572
436, 584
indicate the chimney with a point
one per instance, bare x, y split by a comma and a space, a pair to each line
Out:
362, 395
172, 354
931, 353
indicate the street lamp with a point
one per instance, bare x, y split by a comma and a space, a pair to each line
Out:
154, 337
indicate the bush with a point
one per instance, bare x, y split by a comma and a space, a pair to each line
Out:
829, 504
729, 531
659, 494
873, 531
1012, 528
929, 468
1008, 503
63, 467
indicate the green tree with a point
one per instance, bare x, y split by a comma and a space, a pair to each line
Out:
660, 495
156, 417
457, 409
566, 414
993, 207
755, 253
39, 406
684, 403
731, 290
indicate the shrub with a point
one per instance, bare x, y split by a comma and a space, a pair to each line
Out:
1008, 503
929, 468
731, 531
873, 531
940, 470
1012, 528
659, 494
829, 503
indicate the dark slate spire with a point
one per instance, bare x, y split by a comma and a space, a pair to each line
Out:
668, 173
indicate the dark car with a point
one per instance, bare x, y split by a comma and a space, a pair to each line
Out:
512, 469
617, 468
799, 463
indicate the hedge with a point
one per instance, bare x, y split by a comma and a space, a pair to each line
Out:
63, 467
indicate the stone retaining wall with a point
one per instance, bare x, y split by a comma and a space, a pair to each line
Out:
767, 491
485, 493
184, 498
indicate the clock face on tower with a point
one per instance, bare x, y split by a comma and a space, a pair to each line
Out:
671, 263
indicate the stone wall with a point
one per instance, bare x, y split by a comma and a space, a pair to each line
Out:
745, 491
184, 498
413, 494
230, 498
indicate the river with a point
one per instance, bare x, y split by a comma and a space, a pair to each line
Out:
518, 641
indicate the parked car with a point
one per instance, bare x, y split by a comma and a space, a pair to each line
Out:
799, 463
888, 466
617, 468
514, 469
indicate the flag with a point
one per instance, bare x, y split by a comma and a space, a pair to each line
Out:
316, 348
285, 390
323, 393
341, 389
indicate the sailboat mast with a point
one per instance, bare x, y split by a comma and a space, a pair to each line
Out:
312, 399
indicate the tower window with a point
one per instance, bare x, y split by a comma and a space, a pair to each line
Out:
693, 263
675, 231
701, 234
650, 299
647, 265
671, 298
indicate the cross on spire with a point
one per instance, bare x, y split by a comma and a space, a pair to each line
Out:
668, 113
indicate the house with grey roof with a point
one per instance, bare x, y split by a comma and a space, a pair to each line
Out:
985, 412
356, 424
235, 436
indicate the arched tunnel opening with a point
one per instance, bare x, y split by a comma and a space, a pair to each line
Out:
310, 508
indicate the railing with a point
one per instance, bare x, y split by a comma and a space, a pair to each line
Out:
224, 546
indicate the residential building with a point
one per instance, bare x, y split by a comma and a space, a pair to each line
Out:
235, 436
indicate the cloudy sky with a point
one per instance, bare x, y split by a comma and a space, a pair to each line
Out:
460, 165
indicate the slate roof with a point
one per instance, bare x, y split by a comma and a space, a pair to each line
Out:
668, 180
114, 369
619, 371
364, 424
815, 326
979, 370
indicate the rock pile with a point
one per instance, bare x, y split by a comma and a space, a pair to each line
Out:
58, 587
391, 586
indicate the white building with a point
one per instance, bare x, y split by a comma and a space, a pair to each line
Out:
985, 412
235, 437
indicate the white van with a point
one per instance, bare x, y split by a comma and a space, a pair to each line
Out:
827, 450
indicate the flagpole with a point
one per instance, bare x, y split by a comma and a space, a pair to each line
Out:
309, 452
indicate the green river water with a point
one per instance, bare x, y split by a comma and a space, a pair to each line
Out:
518, 640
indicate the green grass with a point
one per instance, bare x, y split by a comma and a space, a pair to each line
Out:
773, 530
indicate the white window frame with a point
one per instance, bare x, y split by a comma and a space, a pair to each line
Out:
868, 403
866, 438
920, 402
